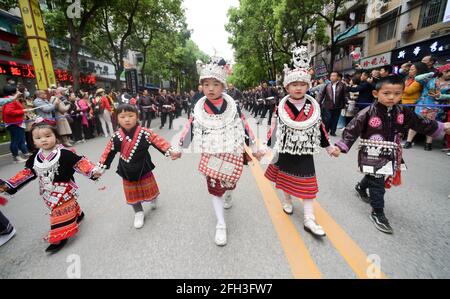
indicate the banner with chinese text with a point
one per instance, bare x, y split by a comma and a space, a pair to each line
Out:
38, 43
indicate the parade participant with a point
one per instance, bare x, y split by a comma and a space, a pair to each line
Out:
380, 127
269, 96
218, 131
145, 105
167, 108
135, 166
299, 134
54, 167
7, 231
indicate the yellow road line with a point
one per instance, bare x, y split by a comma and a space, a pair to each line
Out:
344, 244
299, 259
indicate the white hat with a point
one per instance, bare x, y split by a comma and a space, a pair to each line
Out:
100, 90
301, 60
215, 69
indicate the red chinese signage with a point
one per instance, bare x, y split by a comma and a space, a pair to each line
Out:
376, 61
66, 77
12, 68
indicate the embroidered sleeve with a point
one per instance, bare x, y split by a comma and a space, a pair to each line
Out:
84, 167
18, 181
108, 155
420, 124
353, 130
187, 134
157, 141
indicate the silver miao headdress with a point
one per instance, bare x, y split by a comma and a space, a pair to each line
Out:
215, 69
301, 61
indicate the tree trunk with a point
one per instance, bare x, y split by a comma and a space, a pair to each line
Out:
118, 82
75, 44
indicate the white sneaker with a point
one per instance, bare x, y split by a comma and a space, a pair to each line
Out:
288, 208
228, 202
311, 226
221, 235
6, 237
19, 159
154, 204
139, 220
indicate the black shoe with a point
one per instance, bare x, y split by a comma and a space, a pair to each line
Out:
333, 134
381, 223
80, 218
54, 248
362, 193
161, 127
428, 147
407, 145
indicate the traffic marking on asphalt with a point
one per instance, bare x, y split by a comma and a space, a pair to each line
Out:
354, 256
299, 259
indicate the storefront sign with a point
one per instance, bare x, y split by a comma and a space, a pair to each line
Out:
376, 61
66, 77
447, 13
18, 70
436, 47
27, 71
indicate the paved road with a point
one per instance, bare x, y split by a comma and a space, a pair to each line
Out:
177, 240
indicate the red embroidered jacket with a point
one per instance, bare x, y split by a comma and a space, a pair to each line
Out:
135, 161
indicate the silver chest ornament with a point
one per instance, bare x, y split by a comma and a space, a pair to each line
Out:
374, 151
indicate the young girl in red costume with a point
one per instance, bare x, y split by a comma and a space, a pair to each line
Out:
135, 166
299, 135
54, 167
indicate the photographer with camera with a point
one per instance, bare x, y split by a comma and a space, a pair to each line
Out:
13, 117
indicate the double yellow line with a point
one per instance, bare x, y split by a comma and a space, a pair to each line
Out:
300, 261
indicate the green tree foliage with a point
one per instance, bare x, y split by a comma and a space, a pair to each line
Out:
263, 35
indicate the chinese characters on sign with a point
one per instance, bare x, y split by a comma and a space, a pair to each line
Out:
376, 61
27, 71
14, 69
437, 47
37, 43
66, 77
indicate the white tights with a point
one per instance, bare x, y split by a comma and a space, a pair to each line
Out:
218, 208
308, 206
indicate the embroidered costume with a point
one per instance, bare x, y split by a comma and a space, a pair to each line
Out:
220, 136
56, 186
381, 129
135, 165
299, 135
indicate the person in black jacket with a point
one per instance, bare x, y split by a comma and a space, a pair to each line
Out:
365, 90
333, 99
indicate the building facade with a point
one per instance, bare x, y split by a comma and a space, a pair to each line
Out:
374, 33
